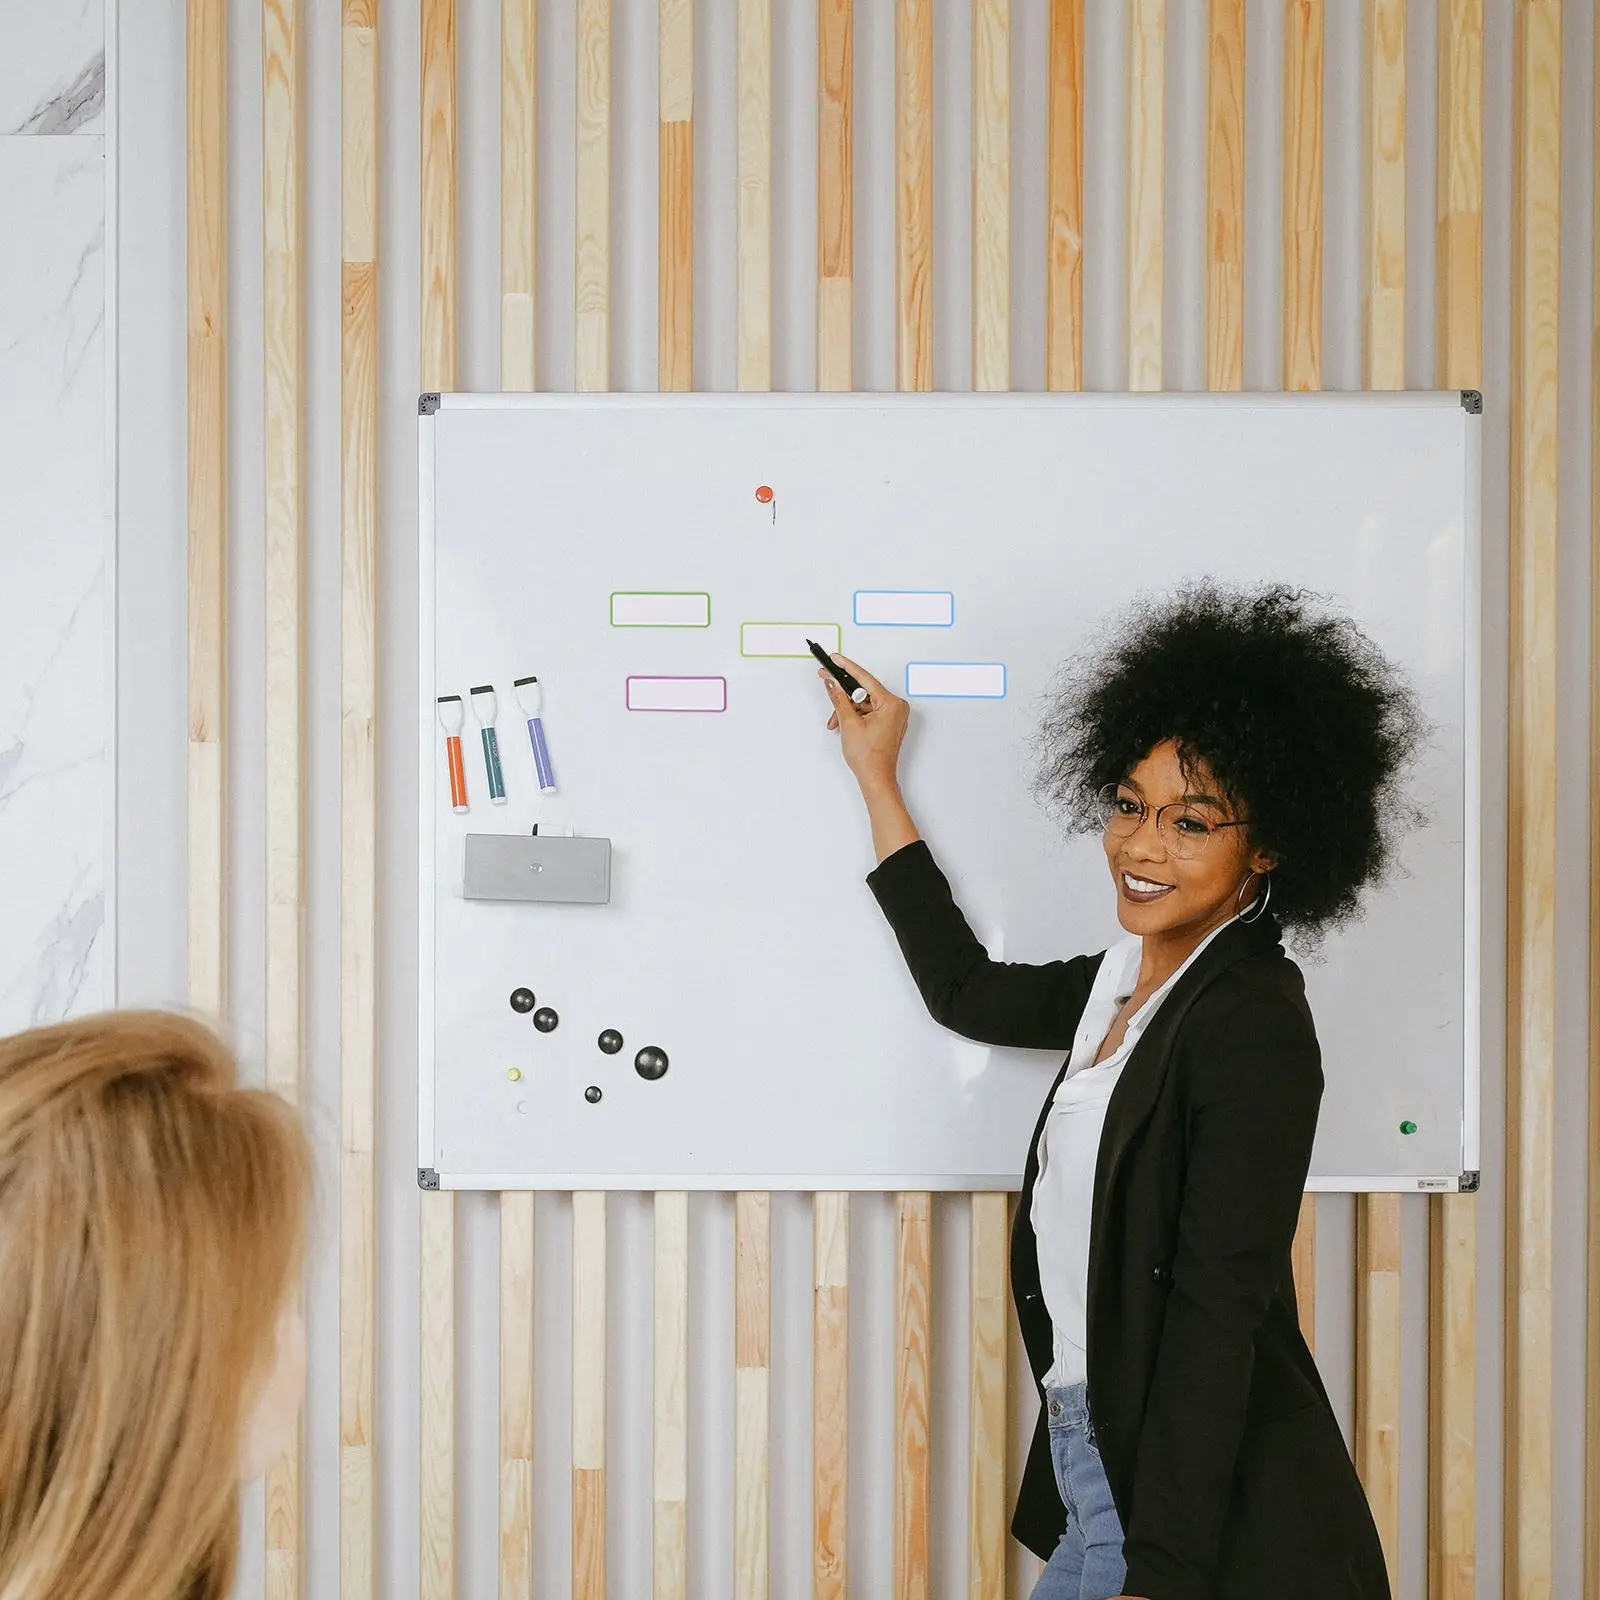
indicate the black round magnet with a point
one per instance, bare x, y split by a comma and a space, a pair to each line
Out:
545, 1020
522, 1000
610, 1041
592, 1095
651, 1062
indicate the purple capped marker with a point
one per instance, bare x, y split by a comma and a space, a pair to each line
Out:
531, 698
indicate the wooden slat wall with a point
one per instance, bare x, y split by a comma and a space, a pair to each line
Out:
207, 177
1529, 1385
988, 1512
1383, 366
830, 1213
1532, 860
1591, 1465
518, 308
1224, 244
1147, 94
592, 335
913, 370
437, 1530
675, 370
1592, 1258
752, 1212
1064, 186
1453, 1219
358, 799
1302, 361
283, 340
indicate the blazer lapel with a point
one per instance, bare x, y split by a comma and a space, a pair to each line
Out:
1135, 1095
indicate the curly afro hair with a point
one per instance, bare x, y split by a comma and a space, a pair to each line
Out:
1297, 715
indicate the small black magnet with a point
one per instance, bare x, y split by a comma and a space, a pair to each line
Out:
610, 1041
592, 1095
522, 999
545, 1020
651, 1062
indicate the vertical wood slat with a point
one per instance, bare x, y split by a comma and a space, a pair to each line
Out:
1378, 1216
991, 194
1532, 865
437, 1439
1064, 185
675, 322
207, 167
752, 1247
752, 1394
835, 224
914, 194
1302, 362
988, 1513
830, 1212
830, 1393
1147, 81
1591, 1465
987, 1510
1224, 245
913, 371
675, 371
670, 1568
519, 144
592, 338
913, 1276
589, 1395
283, 330
754, 156
516, 1394
1453, 1219
358, 804
592, 245
518, 307
991, 370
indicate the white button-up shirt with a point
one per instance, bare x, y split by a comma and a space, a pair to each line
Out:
1069, 1146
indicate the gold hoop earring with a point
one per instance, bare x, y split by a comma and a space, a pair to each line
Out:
1258, 907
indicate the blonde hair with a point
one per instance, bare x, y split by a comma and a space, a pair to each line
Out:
151, 1222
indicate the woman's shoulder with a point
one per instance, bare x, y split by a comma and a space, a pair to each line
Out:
1254, 1008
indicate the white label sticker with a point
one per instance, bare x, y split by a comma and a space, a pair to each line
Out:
661, 611
786, 638
955, 680
677, 694
904, 608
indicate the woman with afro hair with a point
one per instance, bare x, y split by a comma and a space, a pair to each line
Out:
1240, 753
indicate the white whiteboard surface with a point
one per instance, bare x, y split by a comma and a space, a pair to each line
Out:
740, 937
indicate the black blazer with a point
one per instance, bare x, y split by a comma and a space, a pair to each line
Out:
1229, 1472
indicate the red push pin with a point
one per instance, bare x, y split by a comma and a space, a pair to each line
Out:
765, 497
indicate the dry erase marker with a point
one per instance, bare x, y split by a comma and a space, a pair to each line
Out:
531, 698
485, 709
452, 717
858, 695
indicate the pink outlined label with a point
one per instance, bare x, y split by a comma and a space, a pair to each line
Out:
677, 694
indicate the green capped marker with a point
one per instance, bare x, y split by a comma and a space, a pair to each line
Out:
1408, 1127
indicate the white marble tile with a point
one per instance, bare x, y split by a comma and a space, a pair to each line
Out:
55, 570
52, 66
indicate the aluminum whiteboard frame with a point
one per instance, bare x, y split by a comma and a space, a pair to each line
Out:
430, 404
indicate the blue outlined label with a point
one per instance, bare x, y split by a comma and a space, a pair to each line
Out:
955, 680
904, 608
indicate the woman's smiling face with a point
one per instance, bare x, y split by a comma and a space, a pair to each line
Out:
1164, 890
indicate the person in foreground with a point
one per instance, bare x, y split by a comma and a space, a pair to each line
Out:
1240, 753
151, 1358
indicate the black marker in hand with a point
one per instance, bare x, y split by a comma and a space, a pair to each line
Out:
858, 695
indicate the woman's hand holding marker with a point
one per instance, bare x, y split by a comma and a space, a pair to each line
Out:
870, 736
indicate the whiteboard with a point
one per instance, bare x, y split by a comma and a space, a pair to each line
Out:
620, 549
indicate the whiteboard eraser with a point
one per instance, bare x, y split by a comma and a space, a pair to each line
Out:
543, 868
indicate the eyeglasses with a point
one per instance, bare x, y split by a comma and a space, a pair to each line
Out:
1184, 829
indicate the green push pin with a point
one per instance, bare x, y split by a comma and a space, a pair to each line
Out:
1408, 1127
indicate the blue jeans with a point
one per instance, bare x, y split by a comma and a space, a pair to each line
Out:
1087, 1564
